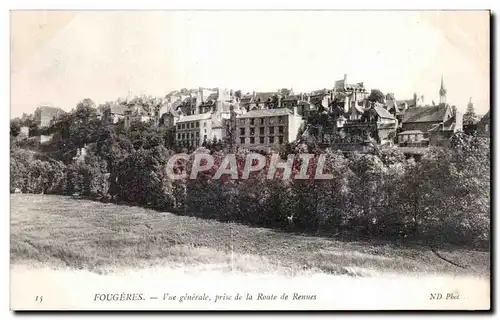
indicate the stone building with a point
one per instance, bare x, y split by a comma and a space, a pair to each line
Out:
45, 116
268, 127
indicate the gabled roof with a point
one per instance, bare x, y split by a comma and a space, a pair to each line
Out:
426, 114
212, 97
266, 113
448, 125
485, 118
383, 113
470, 119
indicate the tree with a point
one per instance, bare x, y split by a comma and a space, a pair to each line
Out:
238, 94
376, 96
15, 128
284, 92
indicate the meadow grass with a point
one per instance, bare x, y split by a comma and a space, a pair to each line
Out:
99, 237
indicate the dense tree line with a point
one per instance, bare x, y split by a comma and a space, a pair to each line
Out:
443, 198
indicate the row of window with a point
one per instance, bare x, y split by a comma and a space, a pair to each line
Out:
251, 131
410, 137
188, 135
257, 121
190, 125
262, 140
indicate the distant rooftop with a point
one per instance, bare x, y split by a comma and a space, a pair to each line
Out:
266, 113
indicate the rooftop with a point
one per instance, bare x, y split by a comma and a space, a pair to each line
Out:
383, 113
411, 132
195, 117
266, 113
426, 114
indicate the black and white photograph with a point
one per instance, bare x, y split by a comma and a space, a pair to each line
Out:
250, 160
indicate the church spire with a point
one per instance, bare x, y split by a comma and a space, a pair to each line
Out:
442, 92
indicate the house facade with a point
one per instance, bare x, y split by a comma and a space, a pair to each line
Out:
193, 130
484, 125
268, 127
45, 116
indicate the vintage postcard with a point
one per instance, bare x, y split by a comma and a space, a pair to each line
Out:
250, 160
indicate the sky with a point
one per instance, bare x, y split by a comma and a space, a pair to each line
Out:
59, 58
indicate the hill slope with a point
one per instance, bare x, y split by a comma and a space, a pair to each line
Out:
81, 234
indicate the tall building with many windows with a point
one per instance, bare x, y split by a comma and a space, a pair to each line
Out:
267, 127
192, 130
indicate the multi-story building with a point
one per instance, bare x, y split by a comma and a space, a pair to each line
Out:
350, 94
46, 116
268, 127
193, 129
260, 100
376, 122
135, 113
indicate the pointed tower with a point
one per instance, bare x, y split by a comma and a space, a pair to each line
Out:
470, 107
442, 92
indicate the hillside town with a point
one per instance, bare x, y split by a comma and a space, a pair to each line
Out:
347, 116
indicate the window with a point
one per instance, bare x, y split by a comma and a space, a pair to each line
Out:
205, 130
252, 131
280, 129
192, 125
252, 140
242, 131
271, 130
182, 126
197, 124
280, 139
204, 124
261, 120
261, 139
281, 119
197, 135
178, 127
252, 122
183, 135
242, 140
271, 139
242, 122
261, 131
178, 136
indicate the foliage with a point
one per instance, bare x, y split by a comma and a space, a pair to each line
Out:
443, 198
89, 178
15, 128
376, 96
31, 173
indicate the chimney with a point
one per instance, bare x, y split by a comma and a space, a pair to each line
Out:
345, 80
346, 104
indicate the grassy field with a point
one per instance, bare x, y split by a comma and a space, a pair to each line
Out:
81, 234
